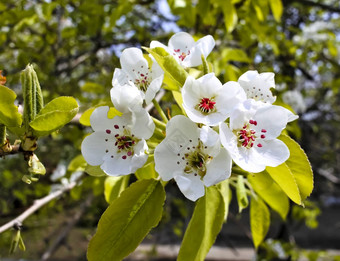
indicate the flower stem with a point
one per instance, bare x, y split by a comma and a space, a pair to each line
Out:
160, 111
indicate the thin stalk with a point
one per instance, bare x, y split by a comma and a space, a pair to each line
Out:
160, 111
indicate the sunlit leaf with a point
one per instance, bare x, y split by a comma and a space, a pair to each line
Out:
270, 192
204, 226
54, 115
259, 220
9, 115
127, 221
113, 186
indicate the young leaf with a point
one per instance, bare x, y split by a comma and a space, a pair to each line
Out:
147, 171
9, 115
277, 8
300, 167
259, 220
285, 179
174, 74
230, 15
94, 171
113, 186
223, 188
54, 115
241, 194
270, 192
127, 221
204, 226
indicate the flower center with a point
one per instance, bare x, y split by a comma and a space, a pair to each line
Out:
247, 136
180, 54
143, 82
125, 143
206, 105
196, 161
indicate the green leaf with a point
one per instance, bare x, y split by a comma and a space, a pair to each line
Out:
204, 226
93, 87
147, 171
241, 194
285, 179
94, 171
174, 74
224, 189
233, 54
259, 220
77, 164
113, 186
179, 100
229, 13
277, 8
300, 167
54, 115
270, 192
9, 115
127, 221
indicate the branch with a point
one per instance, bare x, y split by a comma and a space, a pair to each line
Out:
15, 149
17, 222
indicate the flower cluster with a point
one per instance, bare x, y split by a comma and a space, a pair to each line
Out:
222, 123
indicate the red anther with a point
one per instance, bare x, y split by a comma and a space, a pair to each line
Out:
178, 50
263, 130
124, 157
263, 136
116, 135
251, 145
116, 126
108, 131
259, 145
142, 75
129, 153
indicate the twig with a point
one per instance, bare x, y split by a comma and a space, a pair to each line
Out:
37, 205
70, 224
15, 149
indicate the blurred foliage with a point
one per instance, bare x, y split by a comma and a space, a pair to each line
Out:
75, 47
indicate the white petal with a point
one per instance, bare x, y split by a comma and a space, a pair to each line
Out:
228, 139
93, 148
117, 166
155, 44
99, 120
203, 46
271, 118
181, 129
139, 158
291, 116
209, 137
120, 77
126, 98
166, 160
133, 62
182, 41
248, 160
143, 126
257, 86
209, 85
230, 95
218, 169
272, 153
153, 88
191, 186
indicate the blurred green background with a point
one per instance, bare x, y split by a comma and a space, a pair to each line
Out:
75, 47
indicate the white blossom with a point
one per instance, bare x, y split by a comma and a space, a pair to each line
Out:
251, 135
192, 156
118, 145
185, 50
137, 73
207, 101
